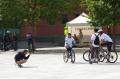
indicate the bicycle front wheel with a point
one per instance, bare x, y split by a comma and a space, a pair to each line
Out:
72, 56
65, 56
113, 56
102, 55
86, 55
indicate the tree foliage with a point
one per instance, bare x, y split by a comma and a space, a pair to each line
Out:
104, 12
14, 12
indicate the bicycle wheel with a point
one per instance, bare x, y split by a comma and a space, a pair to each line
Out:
102, 55
86, 55
113, 56
93, 56
72, 56
65, 56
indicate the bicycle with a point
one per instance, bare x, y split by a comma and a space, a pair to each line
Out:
111, 57
69, 54
88, 53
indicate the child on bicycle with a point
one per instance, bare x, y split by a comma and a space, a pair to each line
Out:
69, 42
21, 57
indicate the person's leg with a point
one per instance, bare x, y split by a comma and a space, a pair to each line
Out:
21, 62
15, 45
33, 48
5, 45
28, 45
92, 52
97, 52
91, 60
69, 51
109, 45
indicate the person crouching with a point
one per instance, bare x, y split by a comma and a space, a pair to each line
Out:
21, 57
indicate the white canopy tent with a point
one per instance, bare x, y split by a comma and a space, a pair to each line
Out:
81, 22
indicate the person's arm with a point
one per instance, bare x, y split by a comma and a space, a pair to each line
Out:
27, 56
73, 42
101, 39
65, 41
92, 39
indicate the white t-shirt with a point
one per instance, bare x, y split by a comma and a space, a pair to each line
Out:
105, 38
93, 39
69, 41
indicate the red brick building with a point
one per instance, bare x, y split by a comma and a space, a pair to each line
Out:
113, 30
47, 31
43, 30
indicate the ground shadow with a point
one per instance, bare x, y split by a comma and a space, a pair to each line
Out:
30, 67
116, 63
81, 63
100, 63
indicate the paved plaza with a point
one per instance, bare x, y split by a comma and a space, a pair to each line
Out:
51, 66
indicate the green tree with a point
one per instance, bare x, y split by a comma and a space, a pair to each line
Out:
104, 12
16, 11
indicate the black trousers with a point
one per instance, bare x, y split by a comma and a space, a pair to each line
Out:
109, 45
69, 50
94, 52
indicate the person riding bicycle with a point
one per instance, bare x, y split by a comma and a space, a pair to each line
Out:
94, 46
105, 39
69, 42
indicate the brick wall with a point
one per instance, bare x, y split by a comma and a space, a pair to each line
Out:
114, 30
42, 28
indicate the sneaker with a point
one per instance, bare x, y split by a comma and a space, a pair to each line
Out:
90, 62
20, 66
101, 56
96, 61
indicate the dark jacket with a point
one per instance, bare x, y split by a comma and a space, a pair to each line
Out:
20, 56
7, 38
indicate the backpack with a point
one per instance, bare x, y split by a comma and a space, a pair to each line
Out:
96, 41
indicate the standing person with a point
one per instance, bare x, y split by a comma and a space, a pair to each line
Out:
80, 36
21, 57
14, 41
29, 38
69, 42
94, 46
1, 42
7, 41
76, 38
105, 40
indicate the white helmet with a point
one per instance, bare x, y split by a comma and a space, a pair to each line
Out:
100, 30
8, 31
